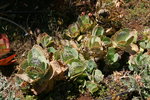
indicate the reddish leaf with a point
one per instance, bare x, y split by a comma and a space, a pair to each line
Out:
4, 44
7, 61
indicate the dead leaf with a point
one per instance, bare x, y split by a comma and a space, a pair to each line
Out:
25, 77
58, 69
74, 45
40, 37
42, 86
132, 49
148, 98
118, 3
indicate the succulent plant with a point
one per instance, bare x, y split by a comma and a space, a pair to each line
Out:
140, 79
36, 70
73, 30
124, 37
68, 54
44, 39
145, 41
82, 25
93, 45
85, 23
87, 45
112, 56
98, 31
139, 61
76, 67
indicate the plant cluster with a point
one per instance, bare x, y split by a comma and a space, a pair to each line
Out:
78, 51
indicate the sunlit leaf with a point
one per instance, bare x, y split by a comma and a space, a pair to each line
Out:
73, 30
51, 50
91, 65
85, 23
76, 66
124, 37
92, 87
95, 42
44, 39
98, 76
112, 56
69, 53
97, 31
106, 40
145, 44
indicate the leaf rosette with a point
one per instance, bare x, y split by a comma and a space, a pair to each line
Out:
45, 40
36, 70
85, 23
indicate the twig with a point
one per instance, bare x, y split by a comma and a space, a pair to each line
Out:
8, 20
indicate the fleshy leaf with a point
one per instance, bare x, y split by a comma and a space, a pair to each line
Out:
112, 56
106, 40
85, 23
98, 76
92, 87
44, 39
73, 30
145, 44
124, 37
51, 50
76, 66
36, 71
97, 31
95, 42
69, 53
91, 65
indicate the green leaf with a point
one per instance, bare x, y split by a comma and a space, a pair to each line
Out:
115, 57
37, 53
145, 44
92, 87
69, 53
46, 41
51, 50
130, 40
36, 65
138, 58
73, 30
57, 55
98, 76
84, 22
76, 66
97, 31
112, 56
123, 35
34, 72
91, 65
131, 67
106, 40
95, 42
24, 64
